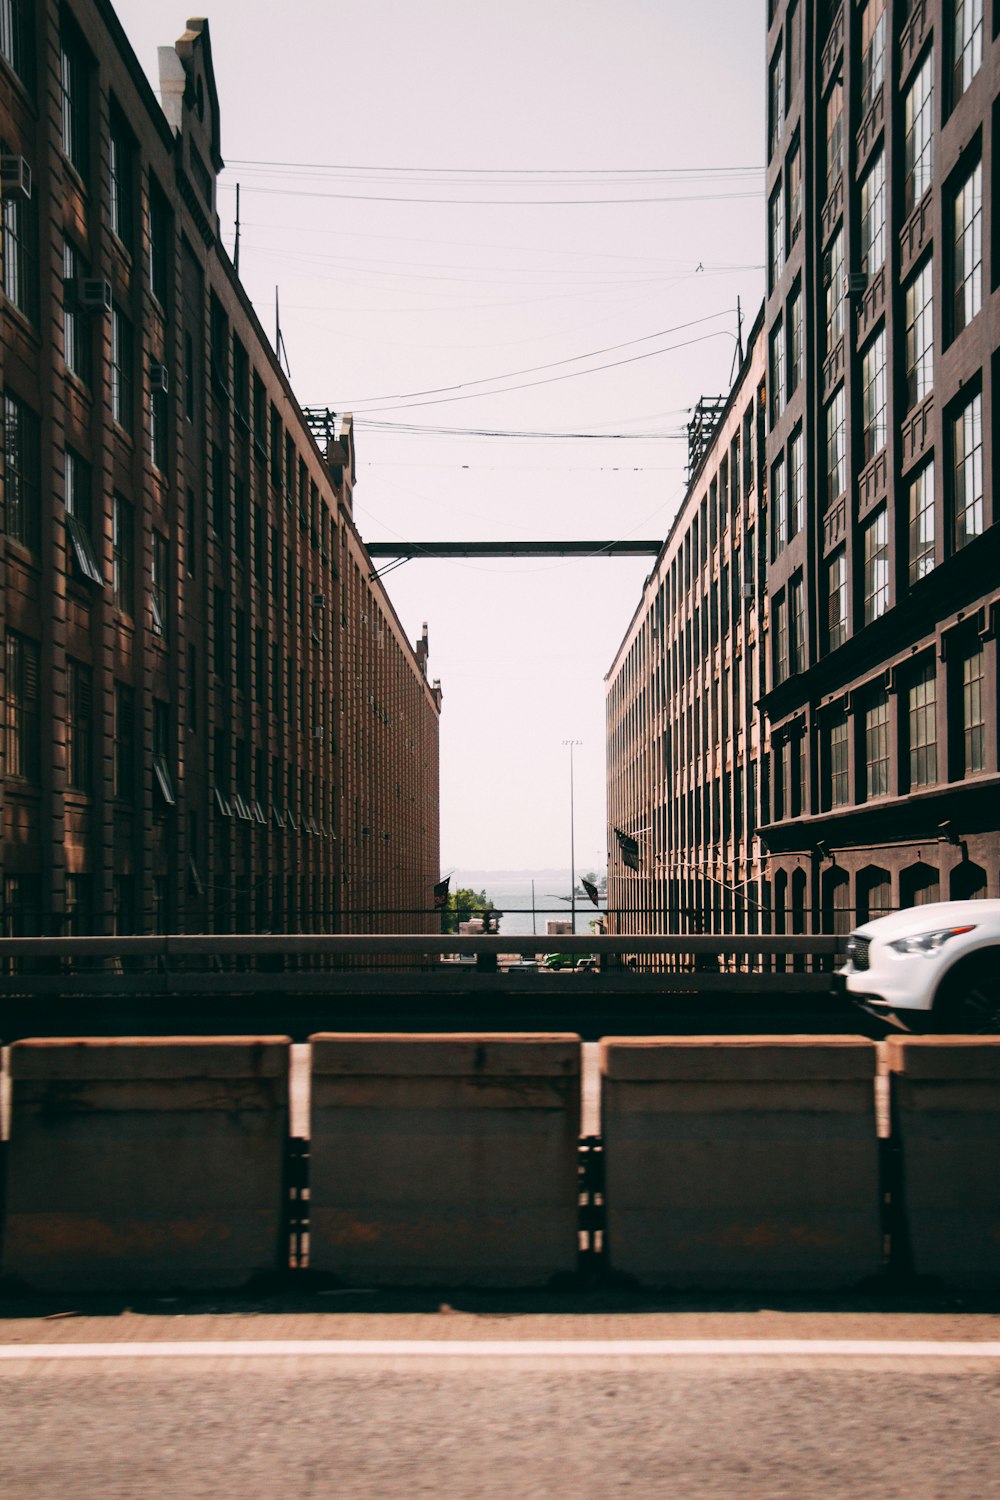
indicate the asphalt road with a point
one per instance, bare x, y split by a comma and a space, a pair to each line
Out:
315, 1426
377, 1397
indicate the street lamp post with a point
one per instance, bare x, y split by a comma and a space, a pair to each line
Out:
572, 839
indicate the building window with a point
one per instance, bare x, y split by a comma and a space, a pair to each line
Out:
776, 98
121, 369
877, 746
780, 638
776, 223
873, 388
918, 133
777, 371
794, 195
796, 624
159, 595
122, 553
241, 383
838, 779
796, 485
120, 208
160, 243
836, 447
967, 249
973, 715
836, 600
834, 135
835, 291
779, 509
967, 472
20, 253
795, 351
75, 103
876, 539
872, 51
16, 38
123, 763
873, 217
259, 417
920, 548
158, 429
22, 457
78, 344
79, 520
21, 737
920, 335
275, 448
79, 726
162, 775
218, 337
967, 44
922, 715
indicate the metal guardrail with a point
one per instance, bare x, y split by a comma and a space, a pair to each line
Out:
218, 945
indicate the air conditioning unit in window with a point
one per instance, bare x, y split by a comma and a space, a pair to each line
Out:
159, 380
317, 731
92, 294
855, 283
319, 601
15, 177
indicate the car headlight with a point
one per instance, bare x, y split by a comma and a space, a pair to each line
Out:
928, 943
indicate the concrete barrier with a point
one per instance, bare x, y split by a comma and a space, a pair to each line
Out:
945, 1103
139, 1163
448, 1159
744, 1162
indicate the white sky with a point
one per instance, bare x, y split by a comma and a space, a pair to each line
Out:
525, 99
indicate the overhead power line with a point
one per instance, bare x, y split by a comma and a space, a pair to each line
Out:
317, 166
498, 202
533, 369
526, 385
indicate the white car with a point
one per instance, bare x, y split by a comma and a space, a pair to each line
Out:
936, 966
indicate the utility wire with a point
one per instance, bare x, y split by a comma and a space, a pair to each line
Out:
552, 379
497, 202
314, 166
533, 369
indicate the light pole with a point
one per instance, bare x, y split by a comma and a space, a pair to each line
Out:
572, 839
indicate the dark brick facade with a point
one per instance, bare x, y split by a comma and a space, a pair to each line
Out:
213, 719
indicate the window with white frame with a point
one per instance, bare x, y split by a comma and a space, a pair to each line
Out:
777, 371
967, 45
876, 579
873, 396
967, 472
836, 446
920, 535
918, 132
834, 279
919, 341
873, 216
967, 249
796, 484
877, 744
836, 600
873, 21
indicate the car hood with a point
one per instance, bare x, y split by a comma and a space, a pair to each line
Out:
917, 919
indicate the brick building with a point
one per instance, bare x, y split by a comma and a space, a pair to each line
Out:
687, 743
883, 329
878, 591
212, 717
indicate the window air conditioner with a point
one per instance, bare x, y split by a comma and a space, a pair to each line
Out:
319, 601
855, 283
317, 731
159, 379
15, 177
93, 294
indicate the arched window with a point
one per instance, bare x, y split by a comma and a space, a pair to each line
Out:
874, 893
919, 884
968, 882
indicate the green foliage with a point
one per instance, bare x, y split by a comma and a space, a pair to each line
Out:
464, 904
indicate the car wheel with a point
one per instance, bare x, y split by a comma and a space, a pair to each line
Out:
971, 1002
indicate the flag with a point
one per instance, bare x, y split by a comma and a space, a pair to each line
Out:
590, 888
441, 893
629, 848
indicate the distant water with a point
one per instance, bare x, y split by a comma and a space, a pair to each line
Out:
511, 892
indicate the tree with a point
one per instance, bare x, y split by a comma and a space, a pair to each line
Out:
464, 904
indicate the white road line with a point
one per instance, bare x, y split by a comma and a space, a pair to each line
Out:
357, 1349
